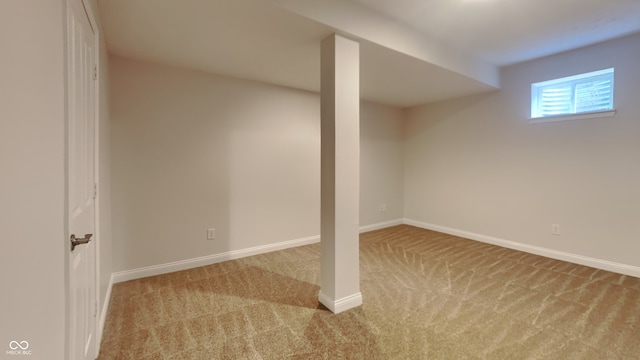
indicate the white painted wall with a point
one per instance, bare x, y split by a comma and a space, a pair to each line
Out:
192, 151
32, 177
381, 163
32, 184
477, 165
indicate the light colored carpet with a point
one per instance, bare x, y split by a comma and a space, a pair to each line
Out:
426, 295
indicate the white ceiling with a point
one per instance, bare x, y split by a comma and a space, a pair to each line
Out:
412, 51
509, 31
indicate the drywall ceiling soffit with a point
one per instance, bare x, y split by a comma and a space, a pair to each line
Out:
504, 32
399, 65
394, 78
413, 51
257, 40
247, 39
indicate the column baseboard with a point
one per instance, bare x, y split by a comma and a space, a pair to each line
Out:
340, 305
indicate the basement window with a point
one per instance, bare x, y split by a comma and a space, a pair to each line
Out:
580, 96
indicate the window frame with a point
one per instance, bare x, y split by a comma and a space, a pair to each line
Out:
572, 81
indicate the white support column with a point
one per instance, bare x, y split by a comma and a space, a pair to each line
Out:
340, 174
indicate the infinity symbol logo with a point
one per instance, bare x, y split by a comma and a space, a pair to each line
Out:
23, 345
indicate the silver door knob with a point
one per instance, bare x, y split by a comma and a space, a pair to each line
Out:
79, 241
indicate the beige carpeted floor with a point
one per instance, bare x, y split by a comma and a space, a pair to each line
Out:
426, 296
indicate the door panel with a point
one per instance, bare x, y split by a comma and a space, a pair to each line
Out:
81, 168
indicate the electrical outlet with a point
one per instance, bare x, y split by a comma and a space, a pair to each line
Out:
211, 234
382, 207
555, 229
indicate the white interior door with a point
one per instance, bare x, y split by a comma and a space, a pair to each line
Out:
82, 185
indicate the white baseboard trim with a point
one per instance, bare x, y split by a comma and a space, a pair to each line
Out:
381, 225
537, 250
104, 310
208, 260
340, 305
153, 270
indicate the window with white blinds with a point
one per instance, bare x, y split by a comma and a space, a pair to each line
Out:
584, 93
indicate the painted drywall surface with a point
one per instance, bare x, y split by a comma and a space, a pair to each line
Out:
381, 164
339, 170
32, 180
192, 151
365, 23
477, 165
